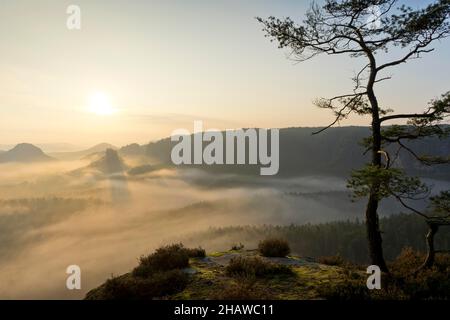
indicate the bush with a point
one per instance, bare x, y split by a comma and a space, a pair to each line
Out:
336, 260
196, 252
406, 262
237, 247
165, 258
442, 261
428, 284
348, 289
130, 288
274, 247
431, 283
405, 282
169, 282
255, 267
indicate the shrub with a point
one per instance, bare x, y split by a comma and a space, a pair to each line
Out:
336, 260
169, 282
165, 258
255, 267
406, 262
196, 252
116, 288
348, 289
405, 282
274, 247
431, 283
442, 261
130, 288
237, 247
427, 284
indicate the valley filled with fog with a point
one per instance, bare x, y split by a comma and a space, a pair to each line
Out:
51, 218
104, 207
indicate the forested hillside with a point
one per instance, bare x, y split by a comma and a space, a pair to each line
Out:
334, 152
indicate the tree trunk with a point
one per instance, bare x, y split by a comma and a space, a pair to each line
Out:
372, 221
429, 261
374, 234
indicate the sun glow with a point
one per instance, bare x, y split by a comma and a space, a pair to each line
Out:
100, 104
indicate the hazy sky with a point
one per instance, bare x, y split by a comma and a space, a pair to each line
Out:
163, 64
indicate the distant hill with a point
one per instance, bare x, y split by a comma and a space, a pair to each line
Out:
106, 163
58, 147
334, 152
109, 163
132, 150
4, 147
77, 155
48, 147
24, 152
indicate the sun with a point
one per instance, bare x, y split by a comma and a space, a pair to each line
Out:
100, 104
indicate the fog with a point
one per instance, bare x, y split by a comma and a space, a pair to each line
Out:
52, 216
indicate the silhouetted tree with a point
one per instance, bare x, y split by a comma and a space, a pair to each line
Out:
370, 29
439, 217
